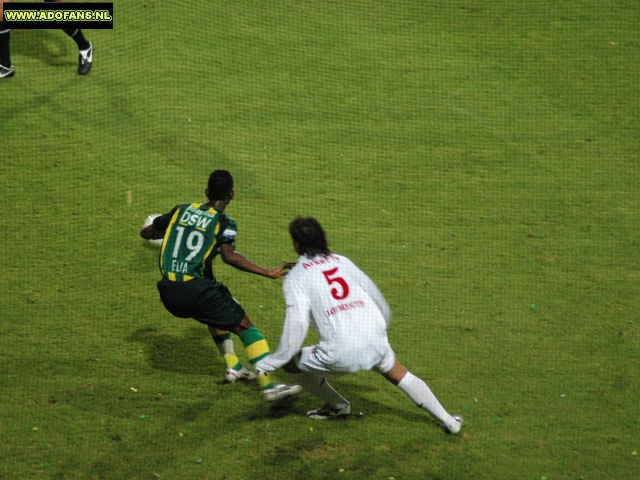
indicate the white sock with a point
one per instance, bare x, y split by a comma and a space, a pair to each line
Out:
225, 347
317, 385
424, 398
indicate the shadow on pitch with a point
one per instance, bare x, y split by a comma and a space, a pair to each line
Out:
194, 353
362, 408
53, 47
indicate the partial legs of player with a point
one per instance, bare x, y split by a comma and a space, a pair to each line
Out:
235, 369
85, 48
422, 396
256, 348
6, 68
336, 406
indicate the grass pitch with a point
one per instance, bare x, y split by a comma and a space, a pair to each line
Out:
479, 161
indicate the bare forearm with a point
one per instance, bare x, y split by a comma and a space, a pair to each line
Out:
240, 262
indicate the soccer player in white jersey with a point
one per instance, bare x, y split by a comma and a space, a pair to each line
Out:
351, 316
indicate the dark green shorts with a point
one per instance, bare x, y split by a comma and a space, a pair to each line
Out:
204, 300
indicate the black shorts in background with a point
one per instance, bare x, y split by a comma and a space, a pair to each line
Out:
206, 301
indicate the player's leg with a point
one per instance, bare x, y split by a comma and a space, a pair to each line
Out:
309, 373
85, 47
256, 348
211, 305
6, 68
235, 369
85, 50
418, 391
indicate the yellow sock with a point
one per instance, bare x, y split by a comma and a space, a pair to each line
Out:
265, 380
256, 348
232, 361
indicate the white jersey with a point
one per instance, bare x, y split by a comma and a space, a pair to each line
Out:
344, 306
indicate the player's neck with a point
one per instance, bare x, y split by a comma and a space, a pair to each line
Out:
218, 205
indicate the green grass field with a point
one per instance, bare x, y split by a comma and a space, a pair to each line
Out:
479, 160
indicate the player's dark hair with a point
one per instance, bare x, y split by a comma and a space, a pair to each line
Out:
220, 185
309, 235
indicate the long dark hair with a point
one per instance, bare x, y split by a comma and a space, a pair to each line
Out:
309, 235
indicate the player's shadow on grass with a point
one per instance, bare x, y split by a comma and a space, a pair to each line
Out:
193, 354
362, 408
52, 47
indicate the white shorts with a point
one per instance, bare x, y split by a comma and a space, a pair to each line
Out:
308, 362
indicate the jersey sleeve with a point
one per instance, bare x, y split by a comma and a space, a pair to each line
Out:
296, 327
228, 232
161, 223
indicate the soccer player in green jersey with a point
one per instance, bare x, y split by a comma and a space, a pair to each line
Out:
194, 234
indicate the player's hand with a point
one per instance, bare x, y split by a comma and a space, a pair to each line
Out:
281, 271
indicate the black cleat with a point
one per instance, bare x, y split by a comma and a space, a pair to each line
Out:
85, 60
6, 72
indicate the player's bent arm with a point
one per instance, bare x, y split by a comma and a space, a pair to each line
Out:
158, 226
296, 327
239, 261
151, 233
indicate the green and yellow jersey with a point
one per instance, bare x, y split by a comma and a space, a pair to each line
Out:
193, 235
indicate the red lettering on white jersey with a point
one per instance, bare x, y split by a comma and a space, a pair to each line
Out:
345, 306
323, 261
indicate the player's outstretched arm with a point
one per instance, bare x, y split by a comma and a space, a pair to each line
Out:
239, 261
296, 327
